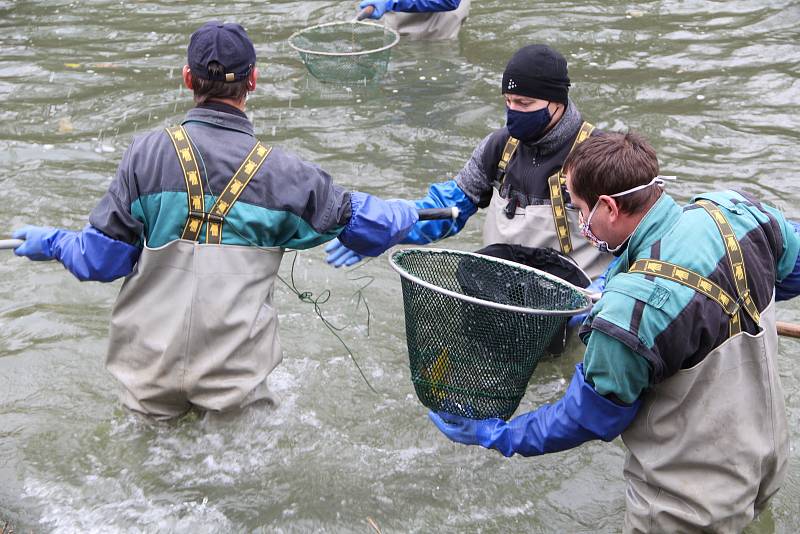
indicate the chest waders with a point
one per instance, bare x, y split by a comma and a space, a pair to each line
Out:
549, 224
194, 324
709, 445
434, 25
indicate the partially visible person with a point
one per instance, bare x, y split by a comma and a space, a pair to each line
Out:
681, 350
197, 219
515, 171
421, 19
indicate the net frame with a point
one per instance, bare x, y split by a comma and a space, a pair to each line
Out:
488, 378
309, 52
482, 302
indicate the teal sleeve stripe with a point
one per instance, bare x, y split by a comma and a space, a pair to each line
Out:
791, 245
613, 368
164, 215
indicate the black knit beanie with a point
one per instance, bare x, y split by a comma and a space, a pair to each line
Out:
537, 71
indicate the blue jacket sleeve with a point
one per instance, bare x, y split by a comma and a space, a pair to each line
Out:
580, 415
789, 286
375, 224
442, 195
425, 6
88, 254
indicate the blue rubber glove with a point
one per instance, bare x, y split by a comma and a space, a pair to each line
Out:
381, 7
88, 254
579, 416
789, 287
409, 6
597, 286
442, 195
341, 256
375, 224
38, 242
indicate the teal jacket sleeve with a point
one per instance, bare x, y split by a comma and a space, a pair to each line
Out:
788, 272
614, 369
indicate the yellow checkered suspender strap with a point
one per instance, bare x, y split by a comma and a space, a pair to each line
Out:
194, 188
508, 152
216, 216
735, 258
555, 184
231, 193
689, 278
703, 285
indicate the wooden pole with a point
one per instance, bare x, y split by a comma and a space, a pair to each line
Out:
788, 329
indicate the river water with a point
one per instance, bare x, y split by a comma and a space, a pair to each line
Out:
714, 85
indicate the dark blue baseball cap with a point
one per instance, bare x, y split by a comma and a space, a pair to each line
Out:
225, 43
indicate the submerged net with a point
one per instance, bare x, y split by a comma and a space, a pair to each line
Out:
345, 52
477, 326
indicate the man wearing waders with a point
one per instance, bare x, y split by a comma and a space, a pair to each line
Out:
680, 350
515, 171
197, 219
421, 19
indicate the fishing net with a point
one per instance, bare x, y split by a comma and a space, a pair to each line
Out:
476, 327
345, 52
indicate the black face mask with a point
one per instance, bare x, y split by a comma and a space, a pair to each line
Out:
527, 125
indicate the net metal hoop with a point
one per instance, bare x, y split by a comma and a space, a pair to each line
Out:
489, 304
340, 54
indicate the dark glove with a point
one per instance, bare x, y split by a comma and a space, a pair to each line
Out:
580, 415
341, 256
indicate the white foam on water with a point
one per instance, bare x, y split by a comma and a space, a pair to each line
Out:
107, 504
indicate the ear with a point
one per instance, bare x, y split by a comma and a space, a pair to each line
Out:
613, 207
187, 77
252, 78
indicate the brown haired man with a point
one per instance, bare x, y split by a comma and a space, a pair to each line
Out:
680, 350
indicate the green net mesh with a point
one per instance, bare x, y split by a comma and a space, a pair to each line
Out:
345, 52
467, 355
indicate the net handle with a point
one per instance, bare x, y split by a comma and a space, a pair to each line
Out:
10, 244
486, 303
433, 214
344, 54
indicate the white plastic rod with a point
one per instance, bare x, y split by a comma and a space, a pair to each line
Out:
10, 244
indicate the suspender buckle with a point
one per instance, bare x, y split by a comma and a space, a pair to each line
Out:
741, 302
215, 218
206, 217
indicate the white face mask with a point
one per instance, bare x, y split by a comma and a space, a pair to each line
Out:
586, 231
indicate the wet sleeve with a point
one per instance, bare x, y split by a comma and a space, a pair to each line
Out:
788, 261
425, 6
614, 369
92, 255
473, 179
788, 285
112, 216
